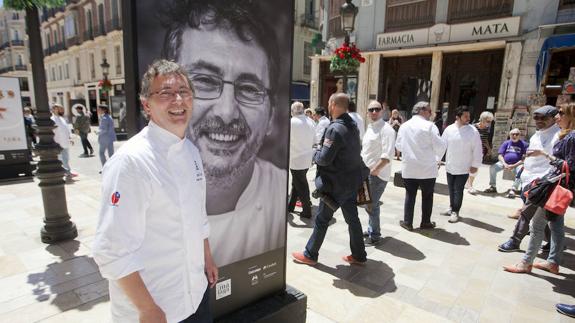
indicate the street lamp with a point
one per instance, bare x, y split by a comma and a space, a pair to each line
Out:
347, 14
105, 82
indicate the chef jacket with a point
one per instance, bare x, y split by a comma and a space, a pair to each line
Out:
61, 132
302, 133
153, 221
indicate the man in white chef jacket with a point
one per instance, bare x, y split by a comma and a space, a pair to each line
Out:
152, 237
464, 156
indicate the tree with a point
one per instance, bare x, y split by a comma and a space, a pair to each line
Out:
57, 224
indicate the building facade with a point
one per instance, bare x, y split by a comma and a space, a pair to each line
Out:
482, 54
77, 39
14, 53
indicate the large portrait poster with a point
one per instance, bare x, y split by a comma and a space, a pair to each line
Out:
238, 56
13, 143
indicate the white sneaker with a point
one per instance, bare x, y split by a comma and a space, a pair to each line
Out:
511, 194
453, 218
446, 212
471, 191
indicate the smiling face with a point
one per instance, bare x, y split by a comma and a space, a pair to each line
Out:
543, 121
233, 110
169, 104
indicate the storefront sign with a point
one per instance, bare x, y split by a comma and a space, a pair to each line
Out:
443, 33
403, 38
487, 29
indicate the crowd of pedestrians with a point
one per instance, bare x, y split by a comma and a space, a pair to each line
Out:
462, 148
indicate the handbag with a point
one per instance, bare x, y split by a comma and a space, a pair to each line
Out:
363, 193
561, 197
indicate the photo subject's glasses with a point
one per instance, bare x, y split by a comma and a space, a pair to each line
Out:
210, 87
372, 110
170, 95
561, 112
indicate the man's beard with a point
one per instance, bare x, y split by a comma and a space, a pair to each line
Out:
61, 114
222, 175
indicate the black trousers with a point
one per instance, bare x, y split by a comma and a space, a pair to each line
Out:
203, 313
427, 186
86, 143
522, 226
456, 184
299, 190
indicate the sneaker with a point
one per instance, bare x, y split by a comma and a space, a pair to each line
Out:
491, 189
446, 212
508, 246
429, 225
365, 234
472, 191
453, 218
352, 261
370, 241
515, 215
520, 268
84, 156
300, 258
510, 194
547, 266
546, 247
406, 226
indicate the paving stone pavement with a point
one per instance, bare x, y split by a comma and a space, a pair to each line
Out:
452, 273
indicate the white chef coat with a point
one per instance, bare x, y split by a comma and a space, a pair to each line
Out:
302, 135
156, 225
257, 224
61, 132
464, 149
421, 148
538, 166
378, 143
359, 121
322, 124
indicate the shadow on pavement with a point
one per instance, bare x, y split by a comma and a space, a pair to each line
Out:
14, 181
375, 277
400, 248
563, 285
66, 283
481, 225
444, 236
307, 223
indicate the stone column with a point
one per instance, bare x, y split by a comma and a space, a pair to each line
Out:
436, 66
363, 79
314, 83
509, 76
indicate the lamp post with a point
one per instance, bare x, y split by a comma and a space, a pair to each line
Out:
347, 14
105, 72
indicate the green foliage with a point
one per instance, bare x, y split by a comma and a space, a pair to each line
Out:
346, 59
27, 4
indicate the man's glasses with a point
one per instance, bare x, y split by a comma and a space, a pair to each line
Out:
561, 112
515, 134
372, 110
539, 118
210, 87
169, 95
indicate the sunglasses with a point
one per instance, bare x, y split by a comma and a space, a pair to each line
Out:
561, 113
538, 118
372, 110
515, 134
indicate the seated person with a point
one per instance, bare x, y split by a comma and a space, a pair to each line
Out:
511, 155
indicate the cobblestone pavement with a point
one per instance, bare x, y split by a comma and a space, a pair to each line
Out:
451, 273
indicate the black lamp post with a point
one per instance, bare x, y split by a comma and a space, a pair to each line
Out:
105, 72
347, 14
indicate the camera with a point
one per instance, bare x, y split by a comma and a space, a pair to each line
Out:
328, 200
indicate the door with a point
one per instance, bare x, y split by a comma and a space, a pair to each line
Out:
471, 79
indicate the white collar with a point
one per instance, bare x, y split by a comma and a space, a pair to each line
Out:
164, 139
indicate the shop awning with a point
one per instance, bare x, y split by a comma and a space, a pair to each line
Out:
299, 92
545, 54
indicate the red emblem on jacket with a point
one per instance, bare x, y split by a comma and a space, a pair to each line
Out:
115, 198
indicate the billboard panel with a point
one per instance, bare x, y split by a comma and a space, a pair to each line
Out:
238, 56
12, 131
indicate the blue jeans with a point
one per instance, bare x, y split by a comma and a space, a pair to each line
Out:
64, 157
456, 184
109, 146
376, 188
537, 228
496, 168
348, 204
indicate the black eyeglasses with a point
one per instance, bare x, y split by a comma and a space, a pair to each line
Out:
372, 110
538, 118
210, 87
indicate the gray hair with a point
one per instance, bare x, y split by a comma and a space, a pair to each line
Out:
340, 99
421, 105
296, 108
485, 115
515, 130
161, 67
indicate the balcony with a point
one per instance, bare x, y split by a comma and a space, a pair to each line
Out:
60, 46
411, 15
99, 30
11, 43
334, 27
461, 11
49, 13
309, 20
20, 67
17, 42
88, 35
13, 68
72, 41
114, 24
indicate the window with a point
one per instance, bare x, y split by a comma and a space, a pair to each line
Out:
118, 59
66, 71
24, 86
78, 69
53, 74
307, 52
101, 19
59, 72
409, 14
471, 10
89, 25
92, 67
19, 60
16, 35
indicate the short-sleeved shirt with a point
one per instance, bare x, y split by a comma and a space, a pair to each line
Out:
513, 152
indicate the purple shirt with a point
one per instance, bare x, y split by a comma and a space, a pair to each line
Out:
513, 152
